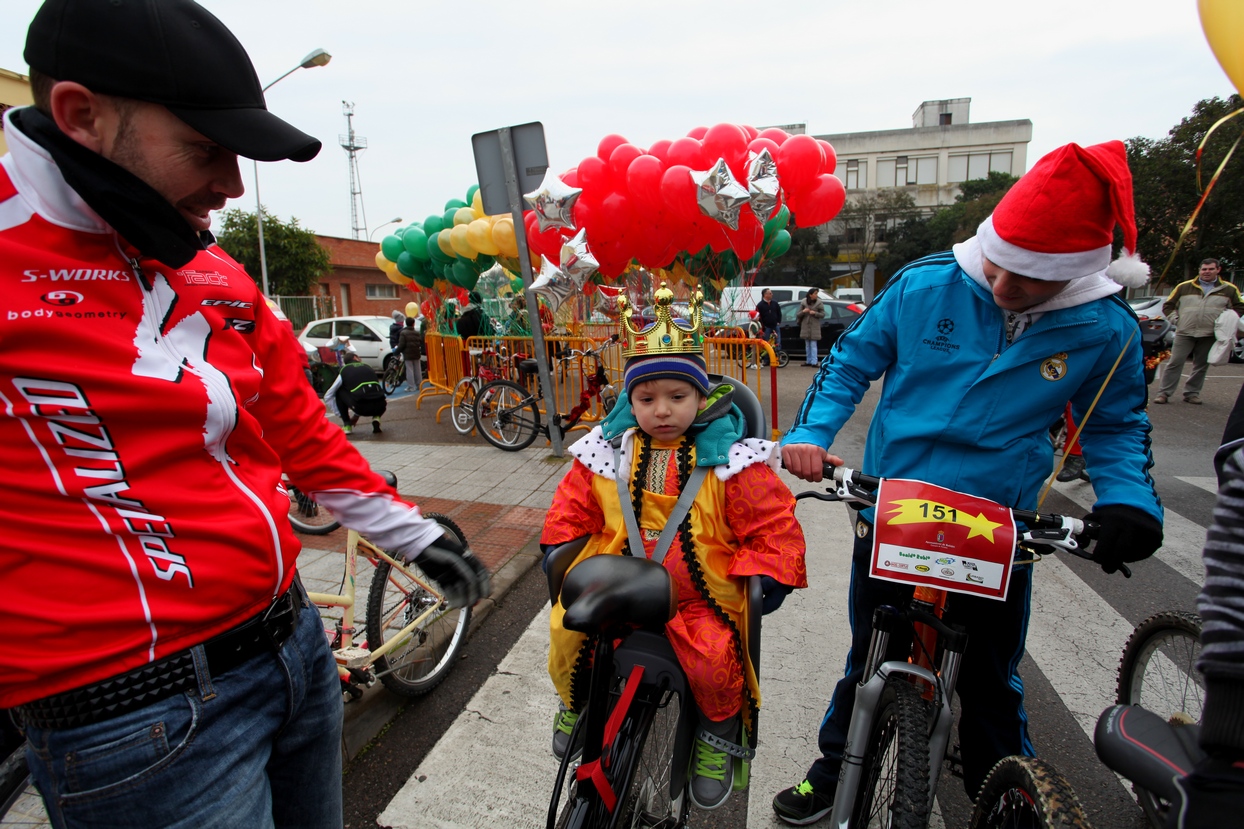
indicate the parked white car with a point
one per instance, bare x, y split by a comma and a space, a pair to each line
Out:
368, 335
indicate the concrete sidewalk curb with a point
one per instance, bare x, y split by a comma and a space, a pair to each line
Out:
367, 716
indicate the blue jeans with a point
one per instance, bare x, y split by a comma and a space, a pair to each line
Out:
257, 746
775, 333
810, 357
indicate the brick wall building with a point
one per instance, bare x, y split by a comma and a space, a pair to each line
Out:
356, 285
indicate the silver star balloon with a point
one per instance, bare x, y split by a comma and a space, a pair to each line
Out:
554, 202
719, 193
762, 184
553, 285
578, 263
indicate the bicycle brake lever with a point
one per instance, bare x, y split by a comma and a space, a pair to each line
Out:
827, 495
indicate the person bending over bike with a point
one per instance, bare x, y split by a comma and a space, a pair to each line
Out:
356, 392
981, 348
667, 423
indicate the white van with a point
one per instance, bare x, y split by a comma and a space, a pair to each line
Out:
738, 303
850, 295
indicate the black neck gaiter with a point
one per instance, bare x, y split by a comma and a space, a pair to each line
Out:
131, 206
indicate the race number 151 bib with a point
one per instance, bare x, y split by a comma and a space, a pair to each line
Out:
927, 535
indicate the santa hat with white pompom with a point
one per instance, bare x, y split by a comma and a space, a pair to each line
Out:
1057, 222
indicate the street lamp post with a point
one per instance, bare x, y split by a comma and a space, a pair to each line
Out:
317, 58
386, 224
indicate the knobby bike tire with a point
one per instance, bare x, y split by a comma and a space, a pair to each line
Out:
429, 652
20, 803
894, 786
394, 374
462, 412
1027, 793
506, 415
307, 516
1158, 672
649, 801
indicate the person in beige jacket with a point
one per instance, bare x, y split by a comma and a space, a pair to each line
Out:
1195, 304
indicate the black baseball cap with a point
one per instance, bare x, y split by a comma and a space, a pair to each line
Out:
169, 52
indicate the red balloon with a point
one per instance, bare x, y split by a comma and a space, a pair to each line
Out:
660, 149
688, 152
571, 177
592, 173
727, 141
799, 161
820, 202
619, 161
643, 182
752, 132
748, 238
678, 192
755, 146
831, 157
777, 136
548, 244
587, 214
608, 144
615, 217
697, 132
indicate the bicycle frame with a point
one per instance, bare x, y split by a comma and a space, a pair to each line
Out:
354, 663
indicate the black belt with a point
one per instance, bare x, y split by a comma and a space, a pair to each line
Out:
264, 633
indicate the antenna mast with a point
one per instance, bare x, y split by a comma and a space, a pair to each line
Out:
353, 145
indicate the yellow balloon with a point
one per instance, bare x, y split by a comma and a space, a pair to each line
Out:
477, 206
442, 239
479, 234
397, 278
463, 216
1223, 22
461, 244
384, 264
503, 237
412, 309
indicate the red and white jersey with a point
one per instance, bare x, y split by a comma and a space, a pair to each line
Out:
146, 415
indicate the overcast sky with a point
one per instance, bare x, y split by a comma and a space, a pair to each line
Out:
424, 76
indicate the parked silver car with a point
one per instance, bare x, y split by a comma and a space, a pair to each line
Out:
368, 335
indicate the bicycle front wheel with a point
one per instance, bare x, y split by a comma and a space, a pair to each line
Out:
651, 801
462, 413
1027, 793
423, 656
783, 359
306, 515
394, 373
1158, 673
894, 783
506, 415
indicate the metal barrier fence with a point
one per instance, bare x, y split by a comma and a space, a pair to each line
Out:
302, 309
449, 361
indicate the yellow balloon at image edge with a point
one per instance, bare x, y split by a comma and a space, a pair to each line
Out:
385, 265
464, 216
460, 243
503, 237
397, 278
1223, 22
442, 240
412, 309
477, 205
479, 234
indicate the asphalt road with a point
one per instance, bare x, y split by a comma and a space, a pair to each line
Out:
1184, 439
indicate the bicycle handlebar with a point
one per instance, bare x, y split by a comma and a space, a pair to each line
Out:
1049, 531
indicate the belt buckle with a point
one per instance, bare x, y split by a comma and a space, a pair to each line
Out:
279, 619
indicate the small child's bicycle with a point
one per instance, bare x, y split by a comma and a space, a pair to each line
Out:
758, 357
486, 365
900, 725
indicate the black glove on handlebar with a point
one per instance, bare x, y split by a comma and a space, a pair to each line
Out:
463, 579
774, 593
1127, 534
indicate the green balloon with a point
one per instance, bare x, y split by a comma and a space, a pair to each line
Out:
779, 221
454, 204
423, 275
482, 263
463, 274
448, 218
434, 224
728, 265
391, 247
755, 260
471, 191
400, 232
406, 265
779, 244
416, 243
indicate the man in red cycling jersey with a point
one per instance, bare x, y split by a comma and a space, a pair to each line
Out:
163, 660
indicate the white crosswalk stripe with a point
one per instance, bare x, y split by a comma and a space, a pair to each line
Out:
1075, 637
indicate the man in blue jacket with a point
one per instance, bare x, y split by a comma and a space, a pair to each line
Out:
981, 348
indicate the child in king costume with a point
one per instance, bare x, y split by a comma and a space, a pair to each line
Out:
740, 523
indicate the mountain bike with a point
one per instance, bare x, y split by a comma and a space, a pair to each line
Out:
394, 372
488, 364
1157, 673
900, 725
507, 414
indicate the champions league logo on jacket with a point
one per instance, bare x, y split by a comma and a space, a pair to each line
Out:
942, 343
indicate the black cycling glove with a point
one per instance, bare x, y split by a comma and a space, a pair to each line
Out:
463, 579
1127, 534
774, 593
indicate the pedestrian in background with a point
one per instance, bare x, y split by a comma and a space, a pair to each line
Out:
769, 313
410, 344
1196, 306
810, 314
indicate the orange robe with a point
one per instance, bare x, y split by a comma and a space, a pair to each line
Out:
744, 525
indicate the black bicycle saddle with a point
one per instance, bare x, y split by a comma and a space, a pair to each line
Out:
608, 590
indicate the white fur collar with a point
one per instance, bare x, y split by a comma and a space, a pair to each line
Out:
596, 453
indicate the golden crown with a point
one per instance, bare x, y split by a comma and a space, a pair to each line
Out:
665, 335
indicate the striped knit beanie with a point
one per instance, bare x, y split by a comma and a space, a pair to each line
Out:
686, 367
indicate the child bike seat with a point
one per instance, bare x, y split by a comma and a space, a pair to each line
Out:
1145, 748
608, 590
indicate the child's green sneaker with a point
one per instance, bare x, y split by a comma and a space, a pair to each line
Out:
563, 727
